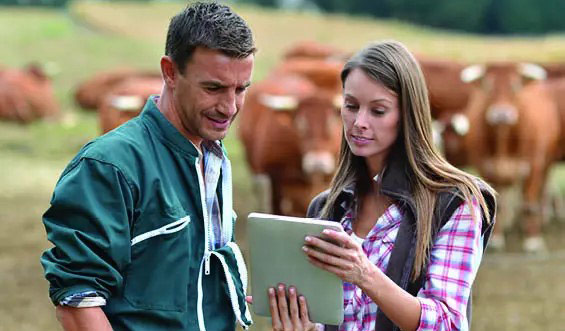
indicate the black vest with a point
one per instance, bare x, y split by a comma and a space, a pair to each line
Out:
396, 185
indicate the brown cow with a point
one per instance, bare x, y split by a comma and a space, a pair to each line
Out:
446, 91
313, 50
125, 100
448, 98
557, 88
26, 94
554, 69
291, 133
513, 136
90, 93
325, 74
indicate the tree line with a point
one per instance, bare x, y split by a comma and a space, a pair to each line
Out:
478, 16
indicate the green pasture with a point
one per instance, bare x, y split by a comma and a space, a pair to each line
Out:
94, 36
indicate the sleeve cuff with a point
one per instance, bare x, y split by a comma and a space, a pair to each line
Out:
429, 316
83, 300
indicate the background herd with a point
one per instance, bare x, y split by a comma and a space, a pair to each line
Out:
286, 151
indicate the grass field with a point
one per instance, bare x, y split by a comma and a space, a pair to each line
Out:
512, 291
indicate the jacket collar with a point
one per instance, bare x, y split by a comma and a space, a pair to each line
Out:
398, 177
161, 125
395, 183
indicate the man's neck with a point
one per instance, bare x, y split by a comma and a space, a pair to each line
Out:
167, 107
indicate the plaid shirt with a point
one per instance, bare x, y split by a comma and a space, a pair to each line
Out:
213, 158
455, 258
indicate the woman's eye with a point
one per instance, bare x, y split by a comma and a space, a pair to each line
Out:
378, 111
350, 106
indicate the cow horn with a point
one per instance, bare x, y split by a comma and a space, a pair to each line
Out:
472, 73
279, 102
126, 102
460, 124
338, 101
532, 71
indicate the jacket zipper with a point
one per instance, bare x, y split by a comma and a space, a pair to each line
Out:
232, 290
205, 215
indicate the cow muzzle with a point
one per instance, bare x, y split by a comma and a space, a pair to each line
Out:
318, 162
504, 171
502, 114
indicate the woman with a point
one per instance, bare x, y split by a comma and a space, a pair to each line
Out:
415, 226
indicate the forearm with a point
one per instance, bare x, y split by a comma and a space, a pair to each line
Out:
399, 306
83, 319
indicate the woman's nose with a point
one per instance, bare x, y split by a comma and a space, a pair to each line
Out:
361, 120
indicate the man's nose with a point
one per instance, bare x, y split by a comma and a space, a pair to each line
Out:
229, 104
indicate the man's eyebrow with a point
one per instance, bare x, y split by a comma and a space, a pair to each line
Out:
212, 83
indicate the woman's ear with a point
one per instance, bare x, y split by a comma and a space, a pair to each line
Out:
168, 70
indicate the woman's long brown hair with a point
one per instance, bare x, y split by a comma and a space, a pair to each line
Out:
391, 64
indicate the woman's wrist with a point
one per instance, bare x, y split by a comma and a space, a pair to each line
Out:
370, 279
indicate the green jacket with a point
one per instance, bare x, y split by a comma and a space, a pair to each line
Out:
128, 220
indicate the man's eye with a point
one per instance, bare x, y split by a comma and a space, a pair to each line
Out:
213, 88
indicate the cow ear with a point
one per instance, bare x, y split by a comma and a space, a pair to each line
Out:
36, 70
279, 102
472, 73
338, 101
126, 102
43, 71
531, 71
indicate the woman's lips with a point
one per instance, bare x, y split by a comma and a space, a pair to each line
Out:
358, 140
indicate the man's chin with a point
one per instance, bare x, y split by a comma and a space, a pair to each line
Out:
215, 135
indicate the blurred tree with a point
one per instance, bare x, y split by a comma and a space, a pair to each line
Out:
43, 3
267, 3
491, 17
522, 16
484, 16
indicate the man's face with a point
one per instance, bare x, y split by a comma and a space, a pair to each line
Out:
210, 93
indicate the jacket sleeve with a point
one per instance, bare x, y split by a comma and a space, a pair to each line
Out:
88, 223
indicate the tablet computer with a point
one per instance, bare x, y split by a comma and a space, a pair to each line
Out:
276, 256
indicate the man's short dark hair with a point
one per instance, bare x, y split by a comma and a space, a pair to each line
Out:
211, 25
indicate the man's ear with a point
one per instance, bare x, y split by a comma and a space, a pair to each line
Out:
168, 70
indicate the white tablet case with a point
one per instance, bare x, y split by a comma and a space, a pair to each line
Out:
275, 244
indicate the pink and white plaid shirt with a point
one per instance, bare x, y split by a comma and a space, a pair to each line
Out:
455, 258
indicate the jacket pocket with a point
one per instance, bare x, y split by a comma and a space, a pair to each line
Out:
167, 229
158, 275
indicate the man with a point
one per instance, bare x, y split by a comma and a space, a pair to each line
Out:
142, 218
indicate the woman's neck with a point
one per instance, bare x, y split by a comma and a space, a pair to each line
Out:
375, 164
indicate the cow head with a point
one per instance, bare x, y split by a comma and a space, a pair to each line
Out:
499, 84
126, 100
495, 109
315, 122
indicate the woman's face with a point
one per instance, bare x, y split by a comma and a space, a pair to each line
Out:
370, 117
